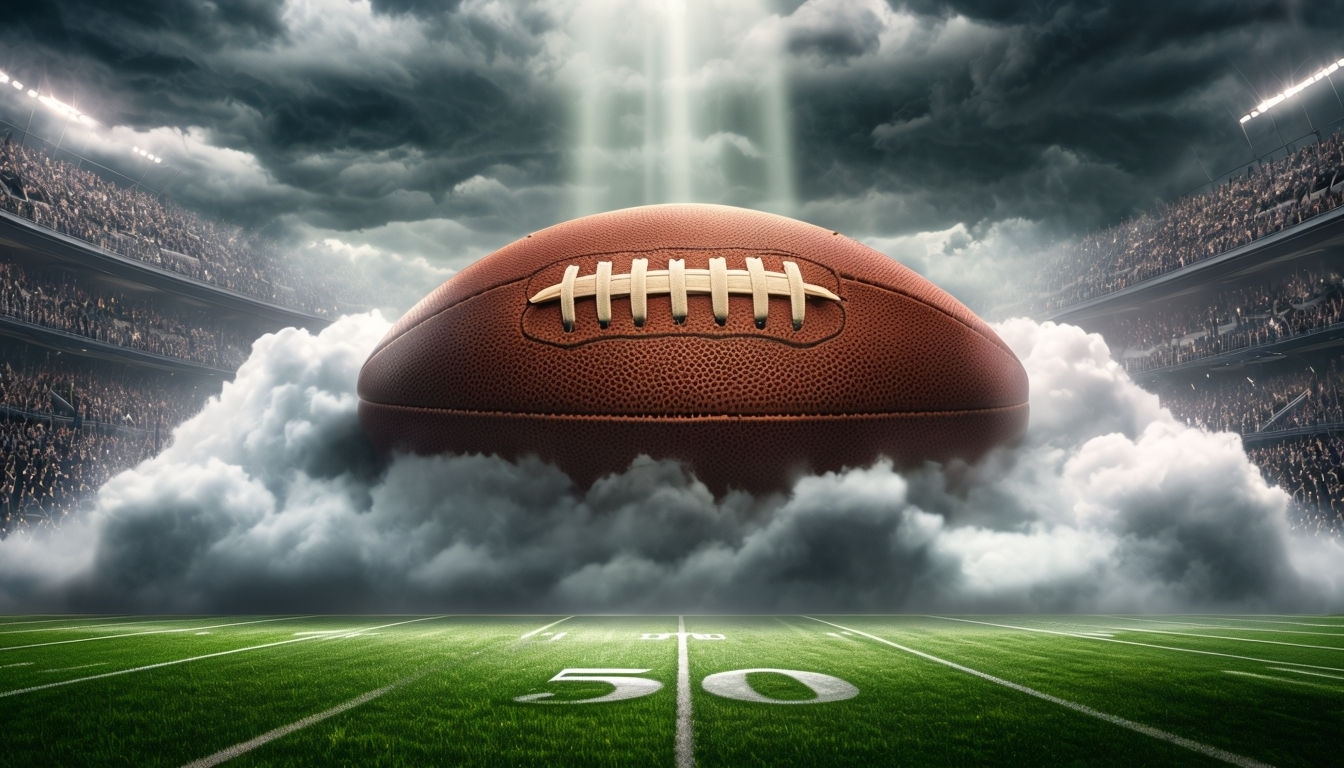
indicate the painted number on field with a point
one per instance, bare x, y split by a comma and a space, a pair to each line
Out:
734, 685
731, 685
627, 686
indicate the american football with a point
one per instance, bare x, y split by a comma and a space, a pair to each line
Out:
752, 347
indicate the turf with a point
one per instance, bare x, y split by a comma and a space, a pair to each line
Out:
445, 690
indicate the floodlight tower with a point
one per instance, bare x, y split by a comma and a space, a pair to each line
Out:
1264, 107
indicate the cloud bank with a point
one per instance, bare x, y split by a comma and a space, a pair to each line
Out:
270, 500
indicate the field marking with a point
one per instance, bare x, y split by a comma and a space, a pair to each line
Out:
685, 741
1220, 637
81, 666
1272, 621
241, 748
18, 664
1207, 750
47, 621
146, 632
1308, 683
548, 626
1305, 672
1135, 642
557, 637
30, 689
1230, 627
136, 623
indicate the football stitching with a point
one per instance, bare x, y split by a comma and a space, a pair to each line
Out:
676, 281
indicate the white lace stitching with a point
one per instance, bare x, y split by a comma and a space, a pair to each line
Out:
677, 281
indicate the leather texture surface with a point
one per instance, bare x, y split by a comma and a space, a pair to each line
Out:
896, 368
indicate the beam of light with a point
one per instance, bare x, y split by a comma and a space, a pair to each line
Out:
676, 96
1291, 91
593, 27
650, 149
778, 131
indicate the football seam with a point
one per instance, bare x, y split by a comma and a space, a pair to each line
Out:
701, 417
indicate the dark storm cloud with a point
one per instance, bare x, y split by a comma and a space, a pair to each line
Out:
965, 105
309, 92
270, 500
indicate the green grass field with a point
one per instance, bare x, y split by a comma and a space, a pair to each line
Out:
728, 690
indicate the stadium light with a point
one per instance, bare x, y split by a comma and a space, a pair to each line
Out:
1291, 91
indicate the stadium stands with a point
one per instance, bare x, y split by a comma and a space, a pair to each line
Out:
1252, 346
116, 330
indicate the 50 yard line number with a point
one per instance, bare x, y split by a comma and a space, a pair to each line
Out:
627, 684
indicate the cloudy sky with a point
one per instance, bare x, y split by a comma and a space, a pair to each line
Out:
956, 134
411, 137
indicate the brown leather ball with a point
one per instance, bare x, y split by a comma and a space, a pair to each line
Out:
752, 347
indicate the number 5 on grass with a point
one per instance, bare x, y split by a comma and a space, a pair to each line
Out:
627, 686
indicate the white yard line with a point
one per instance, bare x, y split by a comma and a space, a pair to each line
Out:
1227, 626
138, 623
47, 621
1272, 621
146, 632
1308, 683
1220, 637
228, 753
147, 667
542, 629
557, 636
685, 741
1305, 672
1135, 642
1147, 730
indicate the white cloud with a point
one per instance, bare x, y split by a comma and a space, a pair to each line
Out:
270, 499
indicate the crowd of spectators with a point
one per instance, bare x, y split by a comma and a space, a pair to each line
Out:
68, 424
1245, 405
1266, 199
46, 468
1311, 470
1235, 319
131, 222
55, 303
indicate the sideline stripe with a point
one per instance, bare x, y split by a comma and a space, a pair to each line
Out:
1135, 642
60, 683
1147, 730
147, 632
548, 626
685, 743
136, 623
228, 753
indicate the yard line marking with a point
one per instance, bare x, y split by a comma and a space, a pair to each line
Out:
48, 621
548, 626
1231, 627
1221, 637
18, 664
685, 744
228, 753
97, 626
1147, 730
1135, 642
1305, 672
557, 637
81, 666
1272, 621
1256, 675
146, 632
147, 667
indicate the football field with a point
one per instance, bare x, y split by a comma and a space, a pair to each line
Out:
672, 690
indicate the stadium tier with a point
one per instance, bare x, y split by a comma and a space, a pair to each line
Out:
119, 315
1230, 305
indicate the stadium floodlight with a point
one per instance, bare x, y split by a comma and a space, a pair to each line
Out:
1291, 91
3, 78
17, 85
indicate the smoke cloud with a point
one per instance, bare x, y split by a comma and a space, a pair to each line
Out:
270, 500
